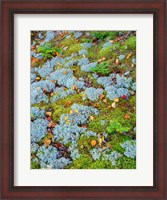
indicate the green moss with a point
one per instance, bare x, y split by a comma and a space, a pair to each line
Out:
131, 42
132, 101
101, 164
126, 163
83, 162
67, 42
74, 48
108, 52
84, 144
58, 111
35, 165
85, 40
117, 140
60, 107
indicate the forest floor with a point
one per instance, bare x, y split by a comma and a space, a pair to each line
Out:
83, 100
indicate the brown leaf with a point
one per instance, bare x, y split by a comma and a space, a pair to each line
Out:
68, 103
101, 96
96, 105
109, 145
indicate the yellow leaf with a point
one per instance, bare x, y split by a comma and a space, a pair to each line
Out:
116, 100
91, 118
129, 55
47, 142
105, 100
38, 78
71, 111
117, 61
109, 107
66, 117
100, 140
113, 104
76, 111
103, 59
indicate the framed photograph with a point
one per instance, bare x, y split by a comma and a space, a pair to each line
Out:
83, 100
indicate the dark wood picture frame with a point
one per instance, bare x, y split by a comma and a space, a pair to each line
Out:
11, 7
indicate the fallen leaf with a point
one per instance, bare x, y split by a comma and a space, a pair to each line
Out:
124, 96
105, 100
109, 107
101, 96
51, 94
58, 145
113, 104
71, 111
76, 111
96, 105
100, 140
47, 142
84, 126
116, 100
38, 78
127, 116
49, 118
109, 145
117, 61
65, 72
129, 55
50, 135
93, 143
48, 114
68, 103
91, 118
74, 87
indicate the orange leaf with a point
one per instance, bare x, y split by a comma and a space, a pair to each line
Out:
127, 116
65, 72
93, 143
